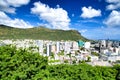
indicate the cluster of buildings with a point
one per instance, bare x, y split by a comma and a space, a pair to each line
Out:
106, 52
109, 50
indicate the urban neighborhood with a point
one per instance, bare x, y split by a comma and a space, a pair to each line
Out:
101, 52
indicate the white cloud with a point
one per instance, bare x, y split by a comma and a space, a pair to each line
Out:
18, 23
90, 12
9, 6
113, 20
112, 1
114, 4
56, 17
18, 3
8, 9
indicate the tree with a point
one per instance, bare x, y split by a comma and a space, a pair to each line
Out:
89, 59
117, 67
118, 76
20, 64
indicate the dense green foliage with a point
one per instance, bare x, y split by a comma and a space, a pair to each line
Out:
39, 33
20, 64
23, 65
81, 72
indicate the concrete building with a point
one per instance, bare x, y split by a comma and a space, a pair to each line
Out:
53, 48
113, 58
75, 46
81, 43
103, 43
40, 45
57, 47
94, 58
87, 45
62, 46
48, 49
67, 47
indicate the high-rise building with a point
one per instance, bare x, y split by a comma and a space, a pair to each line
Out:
48, 49
53, 48
87, 45
108, 43
80, 43
75, 45
103, 43
57, 47
40, 45
62, 46
115, 44
67, 47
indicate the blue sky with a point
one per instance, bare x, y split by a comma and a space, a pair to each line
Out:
94, 19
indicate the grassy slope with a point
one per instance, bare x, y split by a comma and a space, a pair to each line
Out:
39, 33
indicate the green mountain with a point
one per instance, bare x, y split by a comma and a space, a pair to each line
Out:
42, 33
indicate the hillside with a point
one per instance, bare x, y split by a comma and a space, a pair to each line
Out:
39, 33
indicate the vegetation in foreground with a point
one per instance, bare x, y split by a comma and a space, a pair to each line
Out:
39, 33
23, 65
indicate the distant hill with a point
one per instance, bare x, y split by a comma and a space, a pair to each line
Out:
42, 33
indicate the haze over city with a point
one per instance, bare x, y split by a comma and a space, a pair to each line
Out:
94, 19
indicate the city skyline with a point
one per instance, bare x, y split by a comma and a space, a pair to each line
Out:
94, 19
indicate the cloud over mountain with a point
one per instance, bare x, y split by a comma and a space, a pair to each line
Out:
18, 23
9, 6
56, 17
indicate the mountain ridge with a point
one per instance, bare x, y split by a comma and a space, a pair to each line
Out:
7, 32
